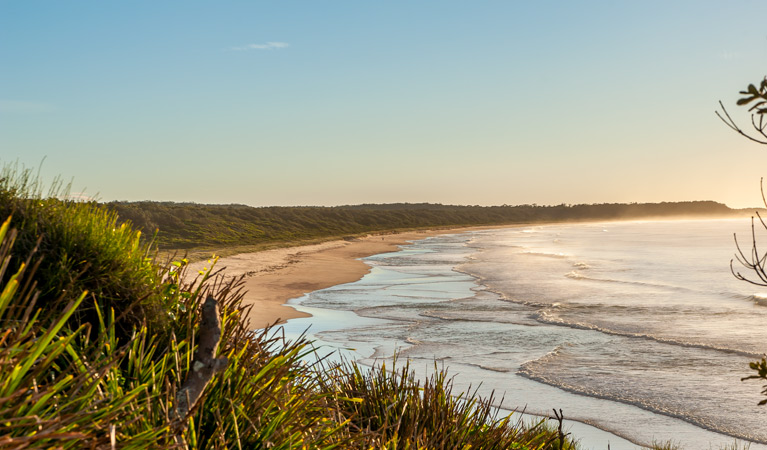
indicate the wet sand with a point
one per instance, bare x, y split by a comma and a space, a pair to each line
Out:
272, 277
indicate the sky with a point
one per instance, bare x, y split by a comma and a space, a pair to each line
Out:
348, 102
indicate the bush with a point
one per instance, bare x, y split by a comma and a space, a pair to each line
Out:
64, 387
395, 410
80, 248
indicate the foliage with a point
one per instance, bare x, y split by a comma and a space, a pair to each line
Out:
758, 112
189, 225
393, 409
753, 93
81, 247
754, 261
59, 388
62, 388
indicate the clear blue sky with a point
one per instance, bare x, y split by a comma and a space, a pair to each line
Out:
342, 102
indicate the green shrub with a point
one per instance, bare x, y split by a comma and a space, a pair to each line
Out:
58, 388
393, 409
81, 248
66, 388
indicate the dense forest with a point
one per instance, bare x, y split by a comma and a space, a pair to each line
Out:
191, 225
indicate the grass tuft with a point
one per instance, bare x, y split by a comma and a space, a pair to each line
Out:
391, 408
81, 247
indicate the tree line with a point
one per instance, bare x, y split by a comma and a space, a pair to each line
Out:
192, 225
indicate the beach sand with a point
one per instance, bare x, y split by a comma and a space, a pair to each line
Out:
272, 277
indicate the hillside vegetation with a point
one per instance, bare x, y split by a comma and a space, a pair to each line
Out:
190, 225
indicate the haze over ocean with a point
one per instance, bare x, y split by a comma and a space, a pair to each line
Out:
637, 328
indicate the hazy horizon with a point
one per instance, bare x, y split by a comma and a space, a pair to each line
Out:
346, 103
415, 203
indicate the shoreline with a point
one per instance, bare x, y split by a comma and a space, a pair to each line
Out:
275, 276
337, 330
335, 255
272, 277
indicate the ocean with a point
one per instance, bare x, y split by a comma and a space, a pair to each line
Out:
636, 330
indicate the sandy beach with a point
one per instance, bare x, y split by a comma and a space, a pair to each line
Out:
272, 277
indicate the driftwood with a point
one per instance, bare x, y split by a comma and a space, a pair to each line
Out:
204, 366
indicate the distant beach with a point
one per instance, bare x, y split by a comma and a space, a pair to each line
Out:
272, 277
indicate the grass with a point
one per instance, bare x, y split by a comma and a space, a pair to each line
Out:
394, 409
63, 387
81, 247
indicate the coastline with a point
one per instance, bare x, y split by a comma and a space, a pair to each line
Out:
272, 277
413, 330
275, 276
279, 275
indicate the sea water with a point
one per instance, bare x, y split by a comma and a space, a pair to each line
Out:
637, 329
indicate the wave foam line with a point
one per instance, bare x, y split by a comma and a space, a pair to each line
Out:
434, 315
527, 373
578, 276
547, 254
549, 321
540, 316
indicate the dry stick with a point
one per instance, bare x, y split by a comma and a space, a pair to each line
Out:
204, 366
731, 123
562, 435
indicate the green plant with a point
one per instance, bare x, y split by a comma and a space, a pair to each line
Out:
69, 388
393, 409
55, 384
758, 112
755, 262
82, 248
194, 226
752, 93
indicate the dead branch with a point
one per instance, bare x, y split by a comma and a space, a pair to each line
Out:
205, 364
758, 127
561, 434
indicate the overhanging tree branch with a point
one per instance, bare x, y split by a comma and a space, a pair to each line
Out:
757, 96
756, 263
